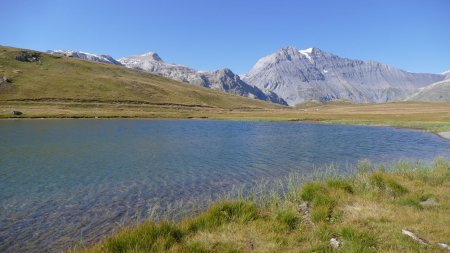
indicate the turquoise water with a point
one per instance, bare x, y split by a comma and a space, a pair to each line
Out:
70, 181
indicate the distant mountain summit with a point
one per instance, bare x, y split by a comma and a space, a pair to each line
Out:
223, 79
86, 56
312, 74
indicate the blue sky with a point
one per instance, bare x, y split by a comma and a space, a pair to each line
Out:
207, 35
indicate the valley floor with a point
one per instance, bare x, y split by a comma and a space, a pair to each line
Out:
432, 117
371, 210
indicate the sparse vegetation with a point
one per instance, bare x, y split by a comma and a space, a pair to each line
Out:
365, 211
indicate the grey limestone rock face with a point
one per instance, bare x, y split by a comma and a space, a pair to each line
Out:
313, 74
222, 79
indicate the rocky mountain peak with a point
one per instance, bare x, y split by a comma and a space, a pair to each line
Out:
152, 56
226, 72
313, 74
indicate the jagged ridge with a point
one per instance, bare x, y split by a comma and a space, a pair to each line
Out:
223, 79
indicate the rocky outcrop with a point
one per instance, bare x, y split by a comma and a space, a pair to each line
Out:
29, 56
313, 74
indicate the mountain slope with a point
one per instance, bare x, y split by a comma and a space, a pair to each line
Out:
53, 77
446, 74
436, 92
85, 56
223, 79
312, 74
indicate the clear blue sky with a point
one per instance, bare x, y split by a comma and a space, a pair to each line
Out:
207, 34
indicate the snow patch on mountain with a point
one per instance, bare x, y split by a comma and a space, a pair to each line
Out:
86, 56
307, 53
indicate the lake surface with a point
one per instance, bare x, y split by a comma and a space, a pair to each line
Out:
64, 182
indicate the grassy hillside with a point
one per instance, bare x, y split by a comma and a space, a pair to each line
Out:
63, 79
364, 212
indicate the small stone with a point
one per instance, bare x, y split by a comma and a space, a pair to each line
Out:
335, 243
429, 202
415, 237
443, 245
304, 207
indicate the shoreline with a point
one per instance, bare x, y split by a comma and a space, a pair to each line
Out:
443, 134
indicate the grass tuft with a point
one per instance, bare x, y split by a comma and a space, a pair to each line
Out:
386, 184
340, 184
224, 212
146, 237
357, 241
288, 218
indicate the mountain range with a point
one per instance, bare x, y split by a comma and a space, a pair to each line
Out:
291, 76
222, 79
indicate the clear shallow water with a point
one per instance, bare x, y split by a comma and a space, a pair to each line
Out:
62, 181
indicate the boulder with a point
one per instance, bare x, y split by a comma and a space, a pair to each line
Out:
5, 82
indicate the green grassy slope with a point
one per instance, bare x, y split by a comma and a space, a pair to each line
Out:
67, 79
